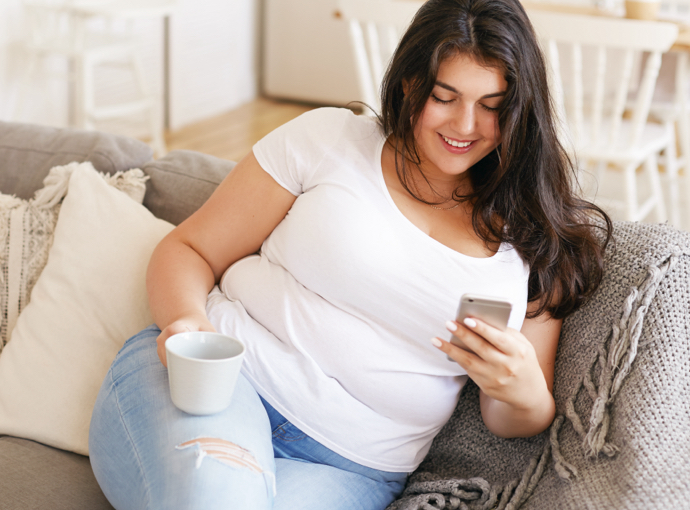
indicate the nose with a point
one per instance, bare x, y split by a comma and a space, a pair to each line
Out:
464, 118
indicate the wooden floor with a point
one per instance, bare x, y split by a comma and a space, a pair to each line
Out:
232, 134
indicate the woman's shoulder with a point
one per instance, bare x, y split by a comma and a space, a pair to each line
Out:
333, 119
324, 113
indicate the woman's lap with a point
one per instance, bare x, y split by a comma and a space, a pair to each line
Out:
148, 454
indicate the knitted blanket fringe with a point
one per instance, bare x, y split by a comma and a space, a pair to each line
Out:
614, 360
613, 363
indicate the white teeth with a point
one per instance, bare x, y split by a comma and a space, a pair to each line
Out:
454, 143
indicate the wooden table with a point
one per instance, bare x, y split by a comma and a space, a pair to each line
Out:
681, 44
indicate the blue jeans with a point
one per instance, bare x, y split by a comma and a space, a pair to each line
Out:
147, 454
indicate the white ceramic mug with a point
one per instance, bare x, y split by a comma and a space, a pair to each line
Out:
203, 369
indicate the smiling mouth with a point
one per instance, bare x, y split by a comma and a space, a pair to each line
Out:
455, 143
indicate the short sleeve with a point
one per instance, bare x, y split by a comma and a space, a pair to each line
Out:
293, 152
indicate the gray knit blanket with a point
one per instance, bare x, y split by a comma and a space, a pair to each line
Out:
621, 437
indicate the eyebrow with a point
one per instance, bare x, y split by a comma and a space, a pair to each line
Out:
453, 89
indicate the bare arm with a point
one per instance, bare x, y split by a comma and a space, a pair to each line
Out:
514, 371
536, 411
234, 221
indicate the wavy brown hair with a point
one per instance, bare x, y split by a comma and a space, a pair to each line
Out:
524, 191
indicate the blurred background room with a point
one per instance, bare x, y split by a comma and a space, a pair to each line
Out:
215, 75
221, 74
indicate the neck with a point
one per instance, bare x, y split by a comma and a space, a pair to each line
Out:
436, 187
426, 182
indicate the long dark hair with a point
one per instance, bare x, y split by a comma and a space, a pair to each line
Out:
523, 193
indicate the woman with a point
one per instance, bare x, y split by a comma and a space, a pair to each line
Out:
368, 233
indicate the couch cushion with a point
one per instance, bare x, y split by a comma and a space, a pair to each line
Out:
181, 182
36, 477
28, 152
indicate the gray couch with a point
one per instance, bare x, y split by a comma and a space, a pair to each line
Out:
622, 435
34, 476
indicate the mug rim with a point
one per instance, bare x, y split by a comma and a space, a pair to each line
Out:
177, 336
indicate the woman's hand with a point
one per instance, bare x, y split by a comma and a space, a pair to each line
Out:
503, 364
516, 398
181, 325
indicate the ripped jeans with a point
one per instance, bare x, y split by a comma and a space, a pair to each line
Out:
147, 454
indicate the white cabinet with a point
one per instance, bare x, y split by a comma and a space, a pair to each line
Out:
213, 58
307, 55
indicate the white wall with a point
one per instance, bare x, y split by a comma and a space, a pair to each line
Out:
324, 73
213, 65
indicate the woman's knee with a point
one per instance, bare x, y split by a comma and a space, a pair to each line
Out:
148, 454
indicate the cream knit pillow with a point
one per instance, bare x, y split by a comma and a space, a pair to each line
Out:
89, 298
26, 235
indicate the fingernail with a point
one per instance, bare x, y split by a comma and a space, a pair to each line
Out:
436, 342
451, 326
470, 323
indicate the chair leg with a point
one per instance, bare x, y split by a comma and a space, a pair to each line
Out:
84, 92
601, 169
630, 192
158, 135
683, 123
652, 170
685, 223
154, 113
671, 160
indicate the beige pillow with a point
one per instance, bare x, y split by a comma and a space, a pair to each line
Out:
26, 234
88, 300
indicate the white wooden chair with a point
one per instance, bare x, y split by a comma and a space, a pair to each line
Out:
64, 28
375, 27
600, 128
675, 112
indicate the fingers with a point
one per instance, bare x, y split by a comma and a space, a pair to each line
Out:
180, 326
171, 330
483, 342
467, 336
161, 349
475, 333
463, 357
502, 363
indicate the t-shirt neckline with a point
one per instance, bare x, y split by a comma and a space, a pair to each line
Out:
503, 248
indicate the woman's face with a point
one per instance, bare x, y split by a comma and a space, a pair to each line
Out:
459, 123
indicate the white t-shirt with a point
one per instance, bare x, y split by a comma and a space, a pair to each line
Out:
338, 310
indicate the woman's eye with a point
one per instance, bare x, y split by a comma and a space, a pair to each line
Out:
439, 100
488, 108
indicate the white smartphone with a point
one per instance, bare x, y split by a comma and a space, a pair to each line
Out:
492, 310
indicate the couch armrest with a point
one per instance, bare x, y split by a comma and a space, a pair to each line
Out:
29, 151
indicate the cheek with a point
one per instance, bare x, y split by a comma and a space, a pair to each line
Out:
433, 115
491, 129
426, 125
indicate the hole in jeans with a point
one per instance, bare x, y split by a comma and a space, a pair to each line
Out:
228, 453
222, 450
